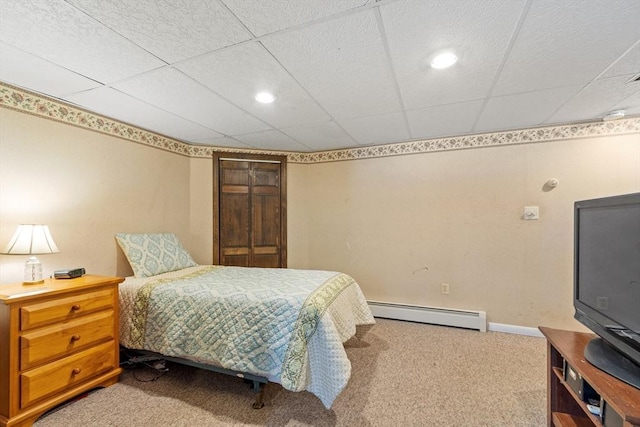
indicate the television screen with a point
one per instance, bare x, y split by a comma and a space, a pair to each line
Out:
609, 268
607, 281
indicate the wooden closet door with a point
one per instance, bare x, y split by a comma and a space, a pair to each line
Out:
249, 210
265, 213
235, 221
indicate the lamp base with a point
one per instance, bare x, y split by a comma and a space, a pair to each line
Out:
33, 272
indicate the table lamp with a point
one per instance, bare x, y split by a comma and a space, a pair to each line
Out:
31, 239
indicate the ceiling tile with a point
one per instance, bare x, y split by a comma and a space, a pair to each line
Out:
266, 17
627, 64
341, 63
272, 139
380, 129
557, 45
174, 92
58, 32
119, 106
241, 72
595, 99
170, 30
522, 110
321, 136
444, 120
478, 32
345, 72
631, 105
22, 69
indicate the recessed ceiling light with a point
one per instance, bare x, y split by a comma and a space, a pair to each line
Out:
444, 60
265, 97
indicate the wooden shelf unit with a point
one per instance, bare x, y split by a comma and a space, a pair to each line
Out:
564, 407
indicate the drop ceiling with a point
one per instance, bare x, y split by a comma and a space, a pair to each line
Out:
345, 73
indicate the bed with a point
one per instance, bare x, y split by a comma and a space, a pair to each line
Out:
285, 326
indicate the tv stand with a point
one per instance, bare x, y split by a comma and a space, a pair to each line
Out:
564, 406
606, 358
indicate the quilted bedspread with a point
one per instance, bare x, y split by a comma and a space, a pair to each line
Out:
286, 325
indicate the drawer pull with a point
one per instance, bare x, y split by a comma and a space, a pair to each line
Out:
75, 338
75, 371
75, 307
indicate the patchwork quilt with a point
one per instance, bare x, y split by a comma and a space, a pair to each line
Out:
286, 325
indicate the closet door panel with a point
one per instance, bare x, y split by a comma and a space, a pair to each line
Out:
235, 213
266, 231
266, 214
235, 243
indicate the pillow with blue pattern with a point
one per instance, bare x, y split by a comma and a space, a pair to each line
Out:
152, 254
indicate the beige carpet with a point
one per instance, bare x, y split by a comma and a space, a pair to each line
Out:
403, 374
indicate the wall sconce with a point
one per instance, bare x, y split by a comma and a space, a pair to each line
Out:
31, 239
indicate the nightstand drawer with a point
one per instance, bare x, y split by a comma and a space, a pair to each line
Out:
55, 341
65, 373
44, 313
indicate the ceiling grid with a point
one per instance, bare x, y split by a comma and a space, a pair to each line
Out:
346, 74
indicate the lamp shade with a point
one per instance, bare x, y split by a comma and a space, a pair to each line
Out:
31, 239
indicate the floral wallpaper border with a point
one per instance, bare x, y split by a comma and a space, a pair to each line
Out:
42, 106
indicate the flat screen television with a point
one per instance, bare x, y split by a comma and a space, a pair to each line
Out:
607, 282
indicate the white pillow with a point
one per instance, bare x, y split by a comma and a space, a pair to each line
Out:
152, 254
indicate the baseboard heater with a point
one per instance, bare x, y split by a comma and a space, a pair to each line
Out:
435, 315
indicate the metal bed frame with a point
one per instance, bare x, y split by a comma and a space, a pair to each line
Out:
258, 382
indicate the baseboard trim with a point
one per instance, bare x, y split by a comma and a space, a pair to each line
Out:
515, 329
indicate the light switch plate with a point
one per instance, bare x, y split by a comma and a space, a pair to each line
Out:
531, 212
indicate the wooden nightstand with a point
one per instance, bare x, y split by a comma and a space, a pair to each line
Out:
58, 339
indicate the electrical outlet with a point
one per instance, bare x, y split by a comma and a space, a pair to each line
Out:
444, 289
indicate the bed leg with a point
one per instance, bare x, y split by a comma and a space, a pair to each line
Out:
259, 388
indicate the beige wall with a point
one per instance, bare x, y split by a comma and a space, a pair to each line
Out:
457, 213
201, 215
86, 186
